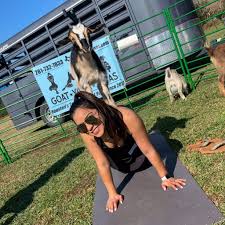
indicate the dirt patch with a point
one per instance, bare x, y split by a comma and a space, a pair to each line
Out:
85, 185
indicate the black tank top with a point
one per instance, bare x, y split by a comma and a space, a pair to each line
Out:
119, 157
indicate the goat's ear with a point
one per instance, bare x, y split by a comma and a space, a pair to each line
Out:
167, 69
63, 42
207, 45
167, 72
95, 29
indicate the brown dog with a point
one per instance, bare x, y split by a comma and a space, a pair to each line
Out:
217, 56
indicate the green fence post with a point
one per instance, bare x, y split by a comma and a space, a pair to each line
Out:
166, 14
178, 47
4, 153
63, 130
127, 97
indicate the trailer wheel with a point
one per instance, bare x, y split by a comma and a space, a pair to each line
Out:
48, 118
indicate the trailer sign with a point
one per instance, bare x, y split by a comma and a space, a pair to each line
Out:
58, 86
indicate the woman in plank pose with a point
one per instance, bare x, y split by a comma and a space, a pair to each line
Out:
109, 134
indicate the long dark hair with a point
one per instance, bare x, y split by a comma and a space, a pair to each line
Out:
113, 119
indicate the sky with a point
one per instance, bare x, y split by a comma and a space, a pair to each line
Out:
18, 14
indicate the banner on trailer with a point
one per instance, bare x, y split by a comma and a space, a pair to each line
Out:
59, 88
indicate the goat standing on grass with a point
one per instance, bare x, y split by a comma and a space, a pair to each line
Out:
175, 84
85, 66
217, 56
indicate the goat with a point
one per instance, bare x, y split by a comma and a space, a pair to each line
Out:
217, 57
85, 66
54, 86
175, 84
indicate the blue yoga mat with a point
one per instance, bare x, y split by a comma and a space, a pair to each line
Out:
146, 203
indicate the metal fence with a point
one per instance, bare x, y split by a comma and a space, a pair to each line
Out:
184, 54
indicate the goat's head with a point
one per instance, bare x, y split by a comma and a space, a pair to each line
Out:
79, 35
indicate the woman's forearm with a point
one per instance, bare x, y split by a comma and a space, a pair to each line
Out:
157, 162
106, 175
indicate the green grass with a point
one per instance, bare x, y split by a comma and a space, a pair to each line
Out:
37, 135
55, 184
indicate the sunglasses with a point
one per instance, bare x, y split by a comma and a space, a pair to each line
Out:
90, 119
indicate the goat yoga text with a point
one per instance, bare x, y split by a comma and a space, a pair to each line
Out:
57, 85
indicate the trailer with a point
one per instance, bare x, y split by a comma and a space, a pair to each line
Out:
125, 21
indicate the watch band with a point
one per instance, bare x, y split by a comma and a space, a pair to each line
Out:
166, 177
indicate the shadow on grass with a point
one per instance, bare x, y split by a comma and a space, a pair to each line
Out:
22, 199
199, 78
39, 144
166, 126
41, 128
143, 100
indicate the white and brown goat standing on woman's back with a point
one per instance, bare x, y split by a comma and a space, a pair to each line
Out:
85, 66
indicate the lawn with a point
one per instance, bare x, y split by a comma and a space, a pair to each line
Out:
55, 184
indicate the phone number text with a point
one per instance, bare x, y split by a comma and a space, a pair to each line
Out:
46, 68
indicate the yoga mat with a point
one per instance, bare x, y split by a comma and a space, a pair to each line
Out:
146, 203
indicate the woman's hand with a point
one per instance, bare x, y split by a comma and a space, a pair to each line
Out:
113, 202
173, 183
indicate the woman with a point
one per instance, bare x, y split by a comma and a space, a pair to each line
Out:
109, 134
